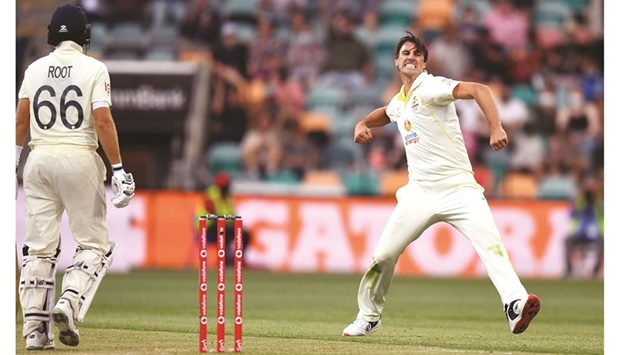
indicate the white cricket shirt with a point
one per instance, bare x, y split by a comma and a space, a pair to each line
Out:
430, 129
62, 87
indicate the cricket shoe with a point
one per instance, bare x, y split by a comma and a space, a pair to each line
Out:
360, 327
37, 340
63, 319
520, 313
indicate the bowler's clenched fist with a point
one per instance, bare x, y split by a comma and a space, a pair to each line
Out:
362, 134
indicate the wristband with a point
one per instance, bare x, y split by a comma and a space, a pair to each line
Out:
118, 171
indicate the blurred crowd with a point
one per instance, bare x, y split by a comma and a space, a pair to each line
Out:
291, 78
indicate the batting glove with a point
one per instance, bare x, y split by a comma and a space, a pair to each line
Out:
123, 188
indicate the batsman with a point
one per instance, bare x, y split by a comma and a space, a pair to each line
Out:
64, 102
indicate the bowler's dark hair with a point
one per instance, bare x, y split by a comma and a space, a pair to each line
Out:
419, 44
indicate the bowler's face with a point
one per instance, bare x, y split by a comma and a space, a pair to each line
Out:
410, 61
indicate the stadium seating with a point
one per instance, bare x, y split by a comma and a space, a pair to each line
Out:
364, 183
98, 37
387, 38
123, 54
525, 93
519, 186
551, 13
164, 37
485, 177
392, 180
224, 156
316, 121
245, 31
577, 5
283, 177
556, 188
342, 155
480, 7
397, 12
498, 162
160, 54
126, 36
241, 10
368, 95
322, 96
384, 66
343, 126
321, 178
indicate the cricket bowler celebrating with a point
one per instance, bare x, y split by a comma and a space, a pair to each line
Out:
64, 101
441, 186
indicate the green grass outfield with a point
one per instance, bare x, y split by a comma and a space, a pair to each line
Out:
156, 312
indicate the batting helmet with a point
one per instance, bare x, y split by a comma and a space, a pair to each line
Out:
69, 23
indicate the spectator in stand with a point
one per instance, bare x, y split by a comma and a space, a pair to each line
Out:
25, 32
592, 81
230, 53
384, 151
491, 56
300, 154
266, 51
229, 113
260, 147
201, 24
545, 111
445, 48
228, 117
468, 25
96, 10
473, 123
367, 31
560, 159
354, 8
526, 7
287, 93
281, 10
587, 226
579, 31
507, 25
513, 111
529, 151
348, 61
167, 12
129, 11
434, 16
580, 124
306, 54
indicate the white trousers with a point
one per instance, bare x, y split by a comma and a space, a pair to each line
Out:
458, 201
59, 179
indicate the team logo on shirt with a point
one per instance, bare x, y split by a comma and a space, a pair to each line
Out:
411, 138
447, 81
415, 104
107, 87
407, 125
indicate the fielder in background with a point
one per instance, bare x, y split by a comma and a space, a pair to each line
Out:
64, 101
441, 186
587, 226
218, 200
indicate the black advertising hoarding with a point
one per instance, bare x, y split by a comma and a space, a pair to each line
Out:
151, 97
